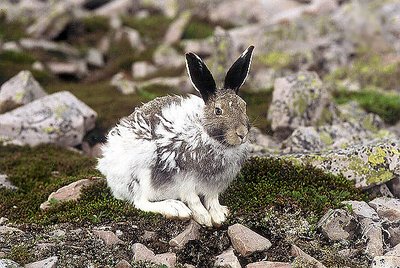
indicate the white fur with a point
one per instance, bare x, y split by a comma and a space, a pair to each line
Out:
126, 154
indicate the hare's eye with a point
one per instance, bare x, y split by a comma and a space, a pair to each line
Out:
218, 111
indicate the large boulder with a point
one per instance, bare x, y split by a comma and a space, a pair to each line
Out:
19, 90
59, 118
299, 100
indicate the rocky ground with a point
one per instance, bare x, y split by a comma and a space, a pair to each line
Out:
321, 189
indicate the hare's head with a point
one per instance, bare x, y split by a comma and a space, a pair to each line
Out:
225, 117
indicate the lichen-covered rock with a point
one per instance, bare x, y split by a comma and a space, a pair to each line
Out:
7, 263
372, 163
385, 262
67, 193
387, 208
299, 100
372, 231
59, 118
362, 210
338, 224
395, 251
19, 90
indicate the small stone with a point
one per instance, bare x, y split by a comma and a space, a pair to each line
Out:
373, 232
95, 58
387, 208
143, 69
362, 210
300, 254
142, 253
67, 193
176, 29
7, 263
168, 259
395, 251
190, 233
3, 220
168, 58
108, 237
9, 230
132, 36
123, 264
77, 69
245, 241
268, 264
48, 46
227, 259
38, 66
11, 46
4, 183
380, 190
386, 262
338, 224
122, 84
46, 263
57, 233
393, 229
149, 235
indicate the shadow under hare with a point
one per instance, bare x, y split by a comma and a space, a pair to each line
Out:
174, 155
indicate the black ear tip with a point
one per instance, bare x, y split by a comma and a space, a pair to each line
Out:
249, 50
191, 56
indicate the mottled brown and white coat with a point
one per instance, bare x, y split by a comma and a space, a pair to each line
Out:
174, 155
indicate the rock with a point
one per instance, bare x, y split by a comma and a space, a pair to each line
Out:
38, 66
59, 118
95, 151
298, 100
385, 262
167, 57
76, 69
393, 228
46, 263
268, 264
3, 220
245, 241
57, 233
115, 22
149, 235
19, 90
132, 36
9, 230
143, 69
169, 8
122, 84
372, 231
300, 254
69, 192
108, 237
49, 46
11, 46
7, 263
182, 83
222, 54
123, 264
395, 251
95, 58
394, 187
176, 29
367, 164
227, 259
337, 224
304, 139
190, 233
362, 210
202, 47
389, 15
387, 208
142, 253
4, 183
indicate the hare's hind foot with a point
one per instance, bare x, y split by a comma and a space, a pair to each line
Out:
169, 208
217, 212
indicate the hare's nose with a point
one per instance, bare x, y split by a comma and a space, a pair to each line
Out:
242, 132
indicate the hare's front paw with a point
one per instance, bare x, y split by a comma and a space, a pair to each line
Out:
218, 214
174, 209
202, 218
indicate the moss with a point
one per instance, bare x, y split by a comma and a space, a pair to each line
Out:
276, 59
269, 182
383, 103
198, 29
20, 254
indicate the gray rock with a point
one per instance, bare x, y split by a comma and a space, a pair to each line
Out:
387, 208
202, 47
31, 44
268, 264
369, 164
9, 230
385, 262
372, 231
395, 251
4, 183
142, 253
169, 8
38, 66
393, 228
362, 210
389, 14
108, 237
7, 263
149, 235
304, 258
190, 233
245, 241
77, 69
95, 58
11, 46
59, 118
338, 224
133, 37
46, 263
176, 29
380, 190
227, 259
3, 220
394, 187
182, 83
19, 90
70, 192
222, 55
143, 69
123, 264
122, 84
168, 58
113, 8
57, 233
298, 100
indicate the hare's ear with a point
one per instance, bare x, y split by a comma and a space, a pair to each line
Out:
238, 72
200, 76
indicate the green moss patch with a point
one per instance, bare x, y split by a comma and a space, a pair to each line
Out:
385, 104
11, 31
198, 29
